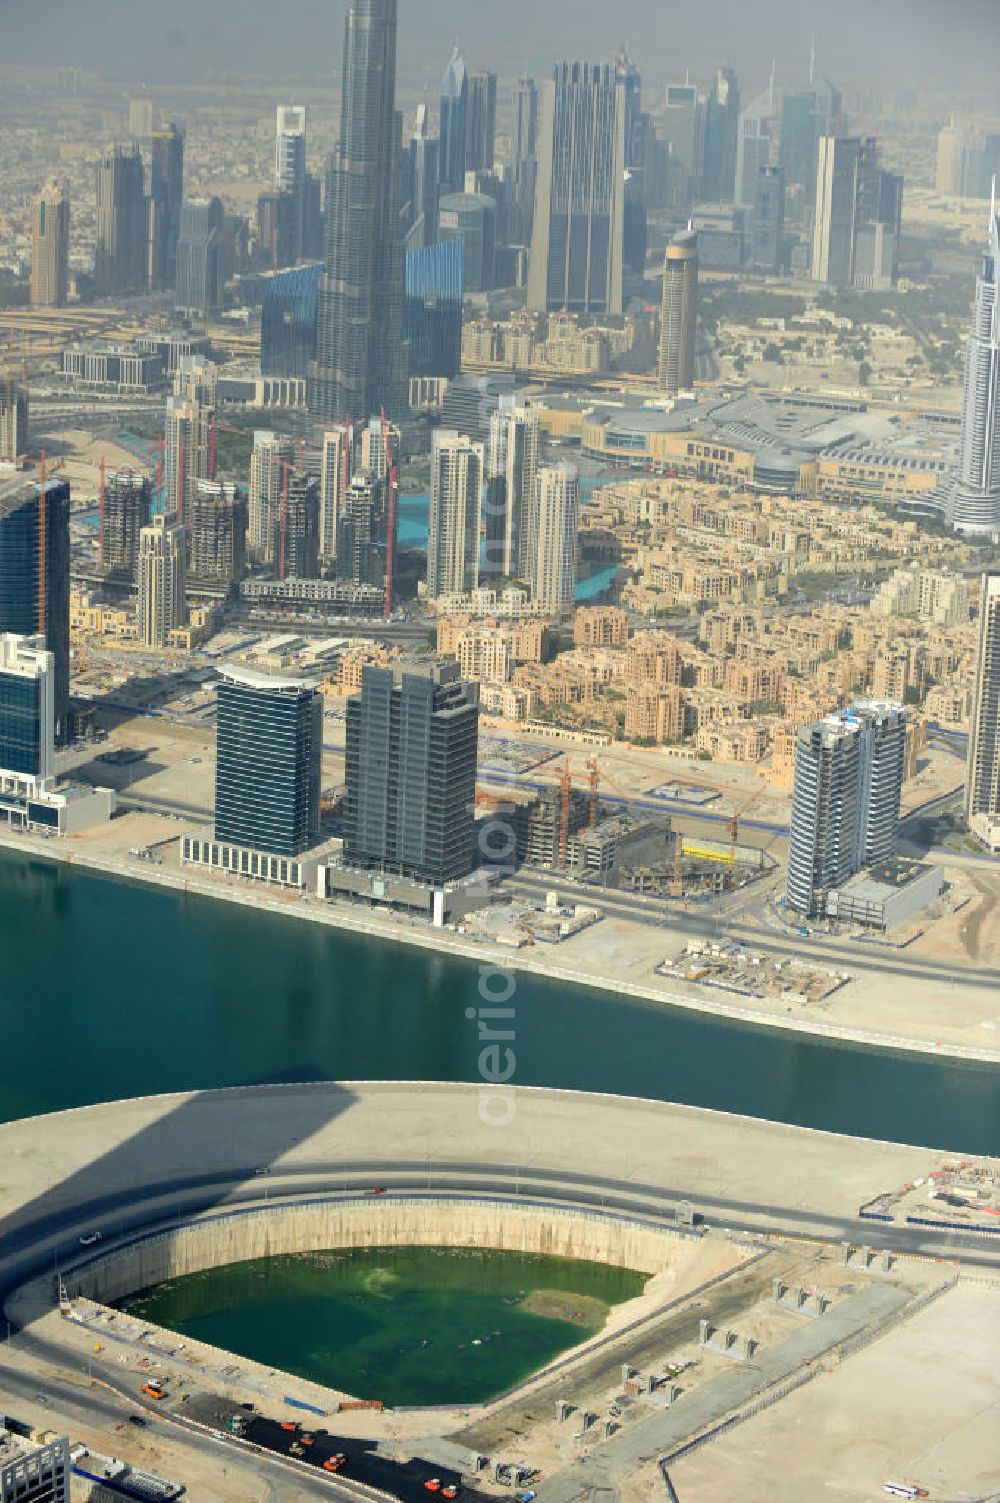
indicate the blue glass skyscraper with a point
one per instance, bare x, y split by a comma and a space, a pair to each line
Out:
34, 574
288, 321
268, 762
432, 319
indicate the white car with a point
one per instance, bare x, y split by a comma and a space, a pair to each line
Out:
90, 1238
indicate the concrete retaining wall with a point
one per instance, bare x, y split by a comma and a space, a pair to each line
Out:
213, 1242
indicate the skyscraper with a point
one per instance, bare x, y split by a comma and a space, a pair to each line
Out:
722, 120
50, 248
453, 533
127, 505
766, 226
187, 452
972, 499
679, 315
120, 255
553, 579
265, 494
288, 321
982, 794
359, 558
757, 128
297, 547
471, 218
14, 406
268, 768
27, 707
432, 316
511, 477
454, 126
290, 168
845, 804
480, 138
198, 287
360, 361
856, 228
683, 125
412, 737
524, 159
166, 192
421, 171
218, 529
334, 477
162, 579
34, 574
577, 238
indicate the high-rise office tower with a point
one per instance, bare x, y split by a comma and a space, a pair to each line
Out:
454, 124
481, 127
288, 321
34, 1471
456, 497
268, 769
630, 78
120, 255
421, 171
950, 150
972, 499
162, 571
50, 248
412, 739
198, 287
265, 494
27, 707
754, 142
766, 225
982, 793
722, 120
553, 578
432, 314
845, 805
297, 544
218, 531
166, 194
34, 574
471, 218
859, 207
127, 507
679, 315
683, 126
187, 452
577, 237
807, 115
524, 159
14, 406
275, 230
511, 475
290, 168
360, 360
334, 478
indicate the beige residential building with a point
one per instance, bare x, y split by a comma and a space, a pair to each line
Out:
653, 657
50, 248
600, 626
162, 574
654, 712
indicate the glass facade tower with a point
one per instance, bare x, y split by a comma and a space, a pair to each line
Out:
268, 762
360, 362
34, 575
412, 741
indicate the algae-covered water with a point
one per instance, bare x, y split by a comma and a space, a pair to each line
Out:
404, 1325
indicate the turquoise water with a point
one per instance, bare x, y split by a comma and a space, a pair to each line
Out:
413, 528
404, 1325
112, 989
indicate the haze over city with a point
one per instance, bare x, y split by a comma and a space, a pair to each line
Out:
499, 751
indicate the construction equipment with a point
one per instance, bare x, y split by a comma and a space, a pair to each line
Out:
45, 471
101, 493
677, 889
215, 427
733, 825
283, 526
593, 768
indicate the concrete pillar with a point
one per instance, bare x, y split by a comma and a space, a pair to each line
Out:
777, 1290
886, 1262
609, 1429
847, 1250
563, 1410
627, 1372
704, 1332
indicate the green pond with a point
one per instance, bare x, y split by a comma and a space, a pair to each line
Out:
410, 1325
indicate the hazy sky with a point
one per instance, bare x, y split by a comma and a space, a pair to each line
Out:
950, 43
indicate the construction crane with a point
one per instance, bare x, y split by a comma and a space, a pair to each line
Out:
286, 470
677, 887
593, 767
101, 493
392, 506
45, 471
215, 427
733, 826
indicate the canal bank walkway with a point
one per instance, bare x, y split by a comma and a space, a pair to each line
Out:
900, 1012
